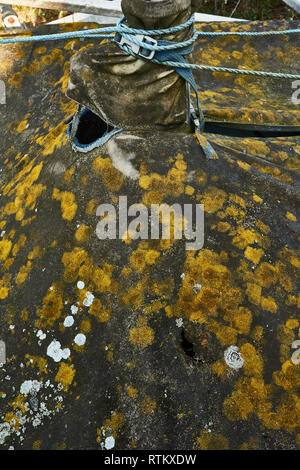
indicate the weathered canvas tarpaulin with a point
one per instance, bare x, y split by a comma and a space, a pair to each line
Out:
154, 320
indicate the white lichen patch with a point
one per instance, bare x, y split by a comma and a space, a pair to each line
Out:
197, 288
69, 321
30, 387
41, 335
233, 358
33, 411
54, 350
109, 443
88, 300
74, 309
80, 339
80, 285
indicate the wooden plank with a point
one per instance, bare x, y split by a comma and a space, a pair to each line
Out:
295, 4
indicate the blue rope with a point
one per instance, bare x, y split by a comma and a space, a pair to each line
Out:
121, 28
163, 46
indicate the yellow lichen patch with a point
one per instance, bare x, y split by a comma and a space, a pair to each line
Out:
189, 190
225, 334
85, 326
242, 320
291, 217
292, 323
151, 256
40, 50
268, 304
237, 200
245, 166
257, 199
234, 212
157, 186
55, 55
132, 392
67, 176
285, 335
111, 426
148, 405
111, 177
16, 80
137, 260
26, 192
253, 365
64, 80
213, 199
72, 262
52, 306
223, 227
19, 244
3, 291
253, 291
13, 420
254, 254
67, 202
102, 278
38, 361
219, 368
83, 234
92, 207
142, 336
65, 375
97, 310
245, 237
23, 273
54, 139
23, 124
5, 247
134, 296
211, 441
266, 275
36, 445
